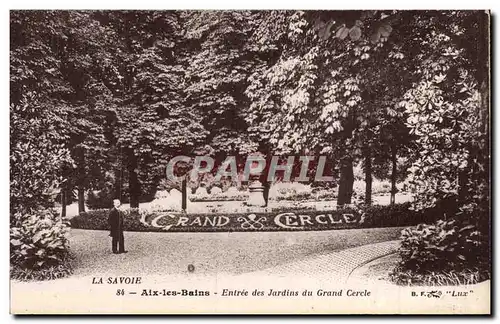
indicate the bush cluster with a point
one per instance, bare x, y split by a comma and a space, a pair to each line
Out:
451, 251
439, 278
39, 246
98, 220
47, 273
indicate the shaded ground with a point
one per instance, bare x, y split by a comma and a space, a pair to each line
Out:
376, 270
211, 253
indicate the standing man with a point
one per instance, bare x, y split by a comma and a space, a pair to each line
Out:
115, 221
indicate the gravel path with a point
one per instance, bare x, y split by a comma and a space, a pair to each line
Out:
336, 264
375, 270
243, 260
210, 253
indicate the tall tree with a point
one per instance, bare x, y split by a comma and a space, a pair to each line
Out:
153, 122
316, 98
218, 58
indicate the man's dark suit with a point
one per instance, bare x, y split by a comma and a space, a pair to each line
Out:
115, 221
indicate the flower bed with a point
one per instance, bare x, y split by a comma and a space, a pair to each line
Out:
214, 198
234, 222
282, 220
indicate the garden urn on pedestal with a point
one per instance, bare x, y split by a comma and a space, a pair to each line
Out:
256, 194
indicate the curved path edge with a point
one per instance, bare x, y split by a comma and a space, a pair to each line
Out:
335, 265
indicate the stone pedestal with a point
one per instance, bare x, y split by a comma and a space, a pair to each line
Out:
256, 194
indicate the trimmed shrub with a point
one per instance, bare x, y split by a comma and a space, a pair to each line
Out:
293, 207
397, 215
39, 246
325, 194
98, 220
219, 197
295, 196
289, 191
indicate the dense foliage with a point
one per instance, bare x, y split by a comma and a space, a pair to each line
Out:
446, 247
39, 247
101, 100
37, 154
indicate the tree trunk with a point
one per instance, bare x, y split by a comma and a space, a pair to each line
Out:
368, 176
81, 199
81, 180
134, 189
346, 167
263, 179
346, 182
267, 187
393, 174
184, 194
118, 184
63, 203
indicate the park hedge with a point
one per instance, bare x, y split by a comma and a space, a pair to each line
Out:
397, 215
373, 216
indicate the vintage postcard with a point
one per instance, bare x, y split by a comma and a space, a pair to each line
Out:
250, 162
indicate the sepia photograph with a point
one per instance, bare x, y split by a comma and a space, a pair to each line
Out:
250, 162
